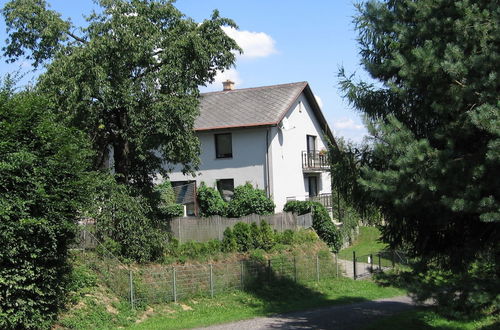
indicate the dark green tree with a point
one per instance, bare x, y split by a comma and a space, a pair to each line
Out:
44, 180
434, 119
129, 78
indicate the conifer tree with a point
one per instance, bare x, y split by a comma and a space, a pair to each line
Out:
434, 122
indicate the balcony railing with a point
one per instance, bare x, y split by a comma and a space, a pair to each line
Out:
315, 161
323, 199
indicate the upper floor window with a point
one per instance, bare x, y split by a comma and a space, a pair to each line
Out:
223, 145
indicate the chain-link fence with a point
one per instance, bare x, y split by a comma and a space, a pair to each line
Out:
158, 283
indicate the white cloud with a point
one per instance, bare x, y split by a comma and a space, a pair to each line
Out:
347, 123
254, 44
320, 102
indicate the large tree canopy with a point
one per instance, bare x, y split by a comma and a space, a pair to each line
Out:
435, 124
129, 78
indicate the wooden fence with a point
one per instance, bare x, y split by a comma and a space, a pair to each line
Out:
204, 229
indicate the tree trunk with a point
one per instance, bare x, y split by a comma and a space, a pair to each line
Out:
122, 149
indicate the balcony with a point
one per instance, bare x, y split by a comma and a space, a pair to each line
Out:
323, 199
315, 161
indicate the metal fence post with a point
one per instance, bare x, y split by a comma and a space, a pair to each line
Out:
174, 284
295, 268
379, 263
354, 264
337, 265
211, 282
241, 275
317, 268
131, 283
269, 270
371, 263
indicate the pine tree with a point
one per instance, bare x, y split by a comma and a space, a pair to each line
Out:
435, 127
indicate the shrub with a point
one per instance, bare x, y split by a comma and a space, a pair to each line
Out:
322, 223
298, 207
243, 235
44, 175
164, 198
229, 243
249, 200
257, 242
210, 201
125, 219
267, 235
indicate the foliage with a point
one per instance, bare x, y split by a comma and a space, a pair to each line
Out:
322, 223
122, 220
367, 242
298, 207
210, 201
243, 236
267, 236
164, 197
434, 125
249, 200
44, 175
129, 78
229, 243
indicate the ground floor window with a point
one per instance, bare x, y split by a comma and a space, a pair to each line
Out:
226, 188
312, 182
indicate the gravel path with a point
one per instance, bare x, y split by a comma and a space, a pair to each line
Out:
352, 316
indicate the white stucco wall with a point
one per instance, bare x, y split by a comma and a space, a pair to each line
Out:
288, 179
246, 165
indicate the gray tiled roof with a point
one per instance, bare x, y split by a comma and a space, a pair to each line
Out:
258, 106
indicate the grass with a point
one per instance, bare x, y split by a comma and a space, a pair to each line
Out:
285, 296
427, 318
366, 243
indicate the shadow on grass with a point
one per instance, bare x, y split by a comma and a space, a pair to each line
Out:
283, 297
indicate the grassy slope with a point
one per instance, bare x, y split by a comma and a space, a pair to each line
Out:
366, 243
279, 298
426, 318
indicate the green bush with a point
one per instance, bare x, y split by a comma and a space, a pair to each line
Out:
243, 235
298, 207
249, 200
210, 201
164, 201
322, 223
126, 219
268, 237
229, 243
44, 176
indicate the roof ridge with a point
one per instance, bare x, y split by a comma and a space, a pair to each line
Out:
259, 87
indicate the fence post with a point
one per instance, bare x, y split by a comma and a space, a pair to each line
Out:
269, 270
379, 263
211, 282
174, 284
354, 264
371, 263
295, 268
392, 259
241, 275
337, 265
131, 283
317, 268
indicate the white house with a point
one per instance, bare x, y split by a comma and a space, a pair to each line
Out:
274, 137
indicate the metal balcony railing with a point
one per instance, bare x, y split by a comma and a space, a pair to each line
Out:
323, 199
315, 161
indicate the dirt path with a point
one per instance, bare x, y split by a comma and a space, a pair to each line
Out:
352, 316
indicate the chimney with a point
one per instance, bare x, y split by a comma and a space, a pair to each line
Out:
228, 85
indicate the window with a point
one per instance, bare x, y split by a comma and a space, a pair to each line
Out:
313, 186
223, 145
226, 188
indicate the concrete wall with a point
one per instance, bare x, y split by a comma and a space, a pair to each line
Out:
246, 165
288, 179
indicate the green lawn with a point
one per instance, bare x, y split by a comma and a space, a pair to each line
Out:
426, 318
366, 243
278, 298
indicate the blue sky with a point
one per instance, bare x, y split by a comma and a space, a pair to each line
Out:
284, 41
